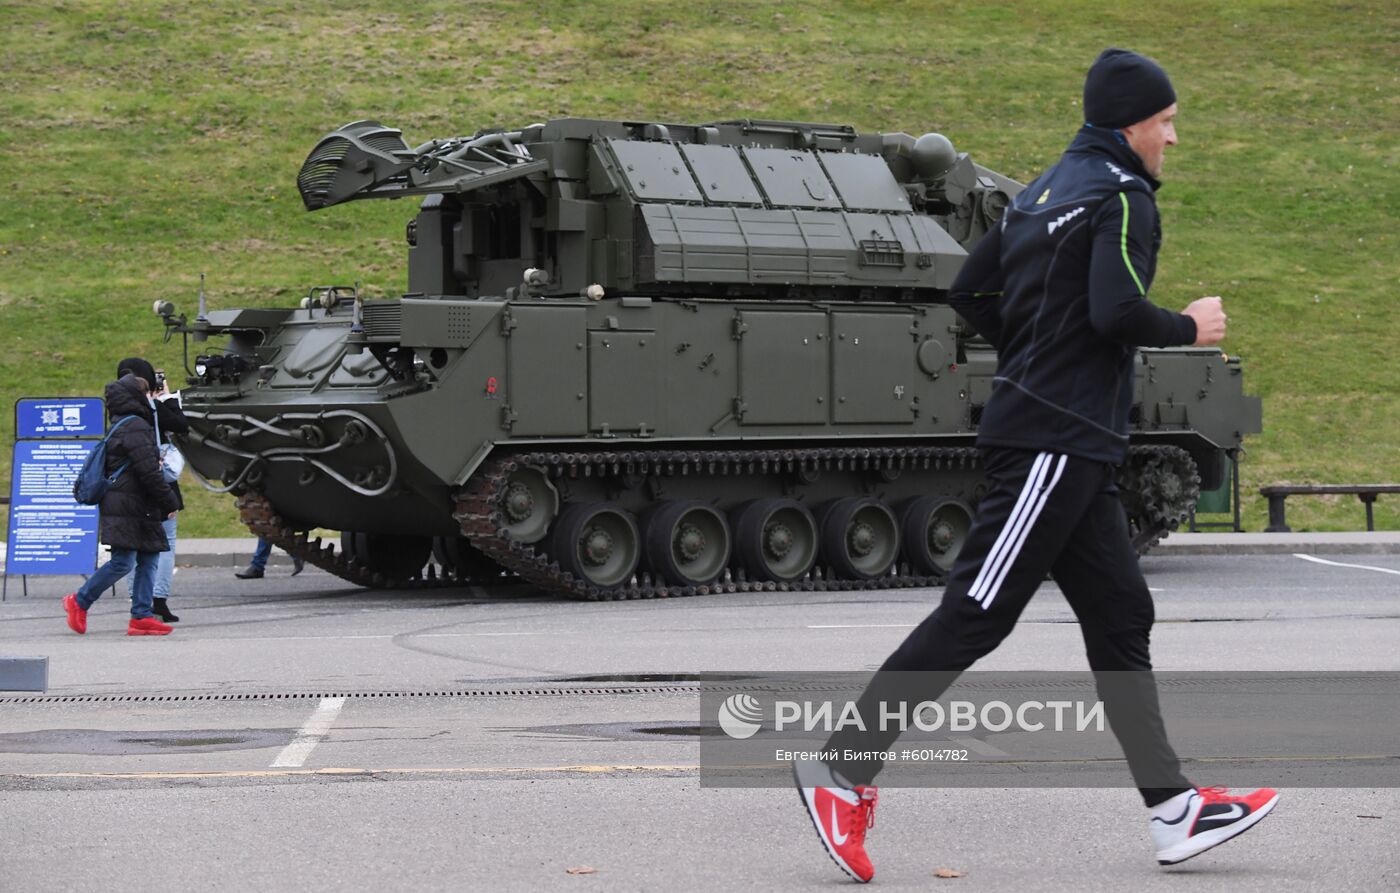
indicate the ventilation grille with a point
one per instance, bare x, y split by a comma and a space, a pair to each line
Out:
382, 320
881, 253
459, 326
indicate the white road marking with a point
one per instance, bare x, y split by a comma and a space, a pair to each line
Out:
860, 626
1362, 567
311, 734
467, 635
376, 636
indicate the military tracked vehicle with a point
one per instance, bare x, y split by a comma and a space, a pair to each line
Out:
639, 359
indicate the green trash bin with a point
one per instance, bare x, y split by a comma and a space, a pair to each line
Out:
1217, 501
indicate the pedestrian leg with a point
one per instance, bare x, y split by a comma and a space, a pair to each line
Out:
1098, 572
1099, 575
165, 569
120, 564
143, 583
1034, 501
261, 554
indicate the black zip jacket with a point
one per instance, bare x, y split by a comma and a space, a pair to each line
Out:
1060, 289
170, 418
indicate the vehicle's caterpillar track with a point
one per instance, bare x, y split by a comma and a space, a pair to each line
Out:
479, 510
479, 507
1159, 484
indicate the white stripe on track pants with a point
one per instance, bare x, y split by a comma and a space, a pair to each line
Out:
1044, 513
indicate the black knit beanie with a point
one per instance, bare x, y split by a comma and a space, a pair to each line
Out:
1124, 88
138, 367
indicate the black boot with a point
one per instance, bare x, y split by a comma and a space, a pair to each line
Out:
159, 608
252, 573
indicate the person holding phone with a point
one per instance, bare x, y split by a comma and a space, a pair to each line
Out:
169, 421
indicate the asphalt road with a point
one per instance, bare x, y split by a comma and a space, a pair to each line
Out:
297, 733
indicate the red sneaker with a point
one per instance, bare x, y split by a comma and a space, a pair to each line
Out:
77, 617
1208, 817
147, 626
840, 814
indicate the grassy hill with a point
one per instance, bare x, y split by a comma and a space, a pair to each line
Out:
143, 143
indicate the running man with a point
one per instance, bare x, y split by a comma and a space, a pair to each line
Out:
1060, 289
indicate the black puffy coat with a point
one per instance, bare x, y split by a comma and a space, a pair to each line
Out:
135, 506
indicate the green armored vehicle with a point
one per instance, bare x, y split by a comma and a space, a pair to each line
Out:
643, 360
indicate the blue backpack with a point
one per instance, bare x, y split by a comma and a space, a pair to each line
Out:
93, 482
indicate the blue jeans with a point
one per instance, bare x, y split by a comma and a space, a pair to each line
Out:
142, 583
165, 570
261, 554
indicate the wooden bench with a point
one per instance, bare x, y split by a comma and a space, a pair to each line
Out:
1276, 494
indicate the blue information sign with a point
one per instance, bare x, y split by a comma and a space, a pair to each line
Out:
59, 417
49, 532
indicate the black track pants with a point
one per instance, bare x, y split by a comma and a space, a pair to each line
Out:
1043, 513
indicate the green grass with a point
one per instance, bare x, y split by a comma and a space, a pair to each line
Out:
144, 143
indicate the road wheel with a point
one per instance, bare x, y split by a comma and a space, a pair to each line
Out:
775, 539
530, 504
597, 542
859, 537
934, 530
686, 542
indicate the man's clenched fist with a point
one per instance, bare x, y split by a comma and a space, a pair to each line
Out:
1210, 320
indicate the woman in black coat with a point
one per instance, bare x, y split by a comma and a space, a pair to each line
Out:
131, 512
170, 420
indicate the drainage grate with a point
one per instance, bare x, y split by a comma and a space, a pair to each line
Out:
557, 691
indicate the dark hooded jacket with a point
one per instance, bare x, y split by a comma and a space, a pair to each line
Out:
135, 506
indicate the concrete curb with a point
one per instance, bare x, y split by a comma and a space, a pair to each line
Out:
234, 552
1380, 542
229, 552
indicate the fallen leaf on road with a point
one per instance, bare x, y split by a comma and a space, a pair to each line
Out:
582, 869
947, 872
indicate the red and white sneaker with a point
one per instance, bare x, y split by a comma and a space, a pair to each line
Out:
840, 814
77, 617
1207, 817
